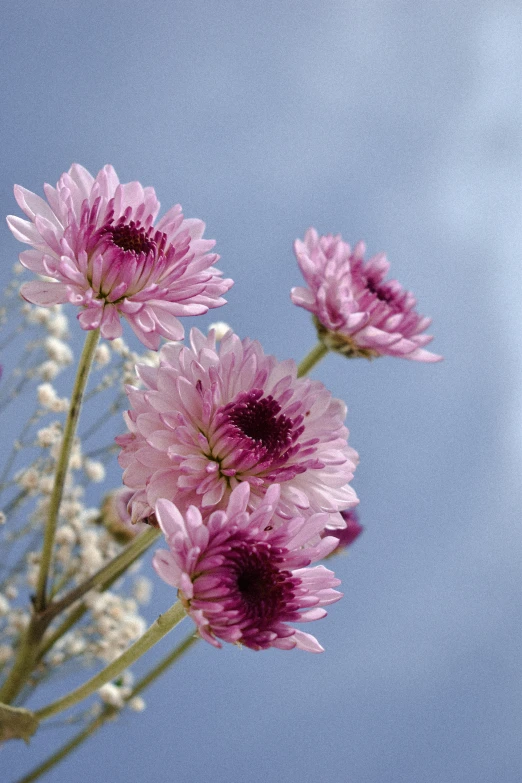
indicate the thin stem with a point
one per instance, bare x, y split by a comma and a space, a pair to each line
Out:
24, 662
48, 642
82, 374
64, 751
108, 711
164, 664
16, 448
311, 359
165, 623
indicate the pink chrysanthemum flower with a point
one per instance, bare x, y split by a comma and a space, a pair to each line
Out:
355, 310
97, 240
213, 417
241, 578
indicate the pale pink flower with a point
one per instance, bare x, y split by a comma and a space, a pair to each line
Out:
97, 240
212, 417
241, 577
355, 310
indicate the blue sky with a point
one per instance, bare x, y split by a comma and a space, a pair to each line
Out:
393, 122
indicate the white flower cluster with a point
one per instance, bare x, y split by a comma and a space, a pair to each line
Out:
58, 352
115, 623
48, 398
83, 545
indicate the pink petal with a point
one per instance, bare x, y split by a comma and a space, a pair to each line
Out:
90, 318
25, 232
110, 323
166, 567
44, 293
168, 324
35, 261
306, 641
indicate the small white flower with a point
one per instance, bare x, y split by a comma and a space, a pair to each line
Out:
59, 405
20, 619
136, 703
102, 355
142, 590
111, 694
6, 653
74, 645
58, 350
37, 315
28, 479
95, 471
220, 328
46, 394
48, 370
46, 436
70, 509
92, 559
119, 346
57, 325
46, 484
31, 576
65, 535
11, 591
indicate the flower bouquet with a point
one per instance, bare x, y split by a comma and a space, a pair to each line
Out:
239, 463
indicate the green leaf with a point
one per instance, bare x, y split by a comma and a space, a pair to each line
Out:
17, 723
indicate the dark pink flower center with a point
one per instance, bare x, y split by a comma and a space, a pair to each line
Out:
264, 590
130, 237
256, 417
382, 291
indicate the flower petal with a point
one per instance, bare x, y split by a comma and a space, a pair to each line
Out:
44, 293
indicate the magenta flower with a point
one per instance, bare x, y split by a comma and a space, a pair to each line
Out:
97, 240
213, 417
346, 535
241, 578
355, 310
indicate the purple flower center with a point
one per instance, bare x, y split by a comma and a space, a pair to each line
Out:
130, 237
256, 417
264, 590
382, 292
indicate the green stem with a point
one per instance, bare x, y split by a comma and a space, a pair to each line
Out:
311, 359
164, 664
108, 712
62, 464
24, 662
165, 623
